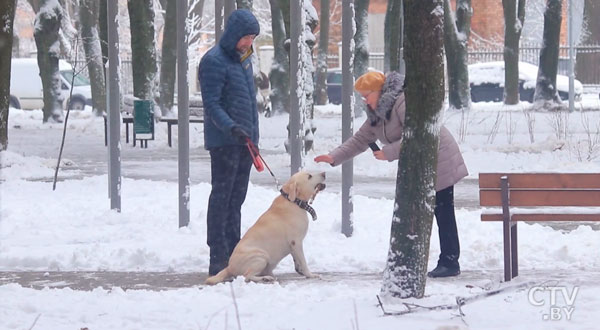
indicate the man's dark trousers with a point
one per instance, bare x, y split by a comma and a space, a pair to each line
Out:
446, 221
230, 173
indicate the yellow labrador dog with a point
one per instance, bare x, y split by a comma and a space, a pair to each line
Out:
277, 233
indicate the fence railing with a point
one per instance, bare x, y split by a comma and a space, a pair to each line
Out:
375, 61
587, 57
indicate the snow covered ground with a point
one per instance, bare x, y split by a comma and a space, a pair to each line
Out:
73, 229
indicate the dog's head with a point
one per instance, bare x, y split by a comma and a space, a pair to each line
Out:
304, 185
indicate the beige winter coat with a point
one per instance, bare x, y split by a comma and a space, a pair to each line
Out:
450, 167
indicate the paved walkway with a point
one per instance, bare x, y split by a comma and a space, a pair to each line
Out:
155, 281
158, 281
89, 157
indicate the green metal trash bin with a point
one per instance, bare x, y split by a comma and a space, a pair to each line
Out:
143, 120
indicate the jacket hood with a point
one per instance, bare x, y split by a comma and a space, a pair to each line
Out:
392, 87
240, 23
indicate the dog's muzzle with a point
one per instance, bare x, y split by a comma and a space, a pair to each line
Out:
320, 187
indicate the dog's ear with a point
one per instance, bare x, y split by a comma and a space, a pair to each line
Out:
290, 188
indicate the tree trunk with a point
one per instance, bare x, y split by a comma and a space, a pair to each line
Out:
141, 17
361, 47
393, 31
284, 6
244, 4
103, 31
47, 26
307, 69
405, 273
168, 65
514, 18
280, 68
7, 19
546, 93
457, 27
68, 33
88, 14
309, 88
587, 63
35, 5
321, 86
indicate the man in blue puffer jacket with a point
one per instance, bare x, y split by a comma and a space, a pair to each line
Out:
230, 118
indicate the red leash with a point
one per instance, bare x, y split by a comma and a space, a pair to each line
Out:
258, 160
255, 155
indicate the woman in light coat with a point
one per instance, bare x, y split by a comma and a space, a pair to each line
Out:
385, 123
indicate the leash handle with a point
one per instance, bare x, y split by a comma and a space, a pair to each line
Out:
258, 164
258, 160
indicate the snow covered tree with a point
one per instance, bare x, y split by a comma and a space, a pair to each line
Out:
393, 30
143, 52
88, 14
546, 94
321, 81
68, 33
405, 272
311, 20
168, 66
284, 6
280, 68
46, 34
361, 46
7, 19
244, 4
195, 13
533, 26
591, 12
457, 28
278, 97
514, 16
35, 5
103, 32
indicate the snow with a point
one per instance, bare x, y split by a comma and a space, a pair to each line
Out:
73, 229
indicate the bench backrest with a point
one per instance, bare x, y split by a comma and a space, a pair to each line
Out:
196, 107
541, 189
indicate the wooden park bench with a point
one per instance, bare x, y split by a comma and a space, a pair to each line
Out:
196, 116
536, 197
126, 116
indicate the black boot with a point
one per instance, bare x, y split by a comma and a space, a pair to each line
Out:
218, 261
443, 271
449, 246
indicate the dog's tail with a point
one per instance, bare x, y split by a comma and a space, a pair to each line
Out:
220, 277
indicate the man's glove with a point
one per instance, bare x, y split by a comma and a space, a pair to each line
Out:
239, 134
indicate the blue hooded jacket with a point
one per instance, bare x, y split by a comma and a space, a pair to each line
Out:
227, 85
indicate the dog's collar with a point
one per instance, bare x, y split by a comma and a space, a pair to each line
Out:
302, 204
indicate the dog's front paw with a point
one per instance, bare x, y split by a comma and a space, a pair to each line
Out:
311, 275
268, 279
261, 279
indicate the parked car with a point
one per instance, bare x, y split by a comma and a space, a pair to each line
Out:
26, 90
487, 82
334, 86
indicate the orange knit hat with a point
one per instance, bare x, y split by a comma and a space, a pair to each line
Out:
370, 81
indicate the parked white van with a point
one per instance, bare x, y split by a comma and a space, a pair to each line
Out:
26, 86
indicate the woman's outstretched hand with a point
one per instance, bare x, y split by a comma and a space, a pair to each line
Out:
379, 155
324, 159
